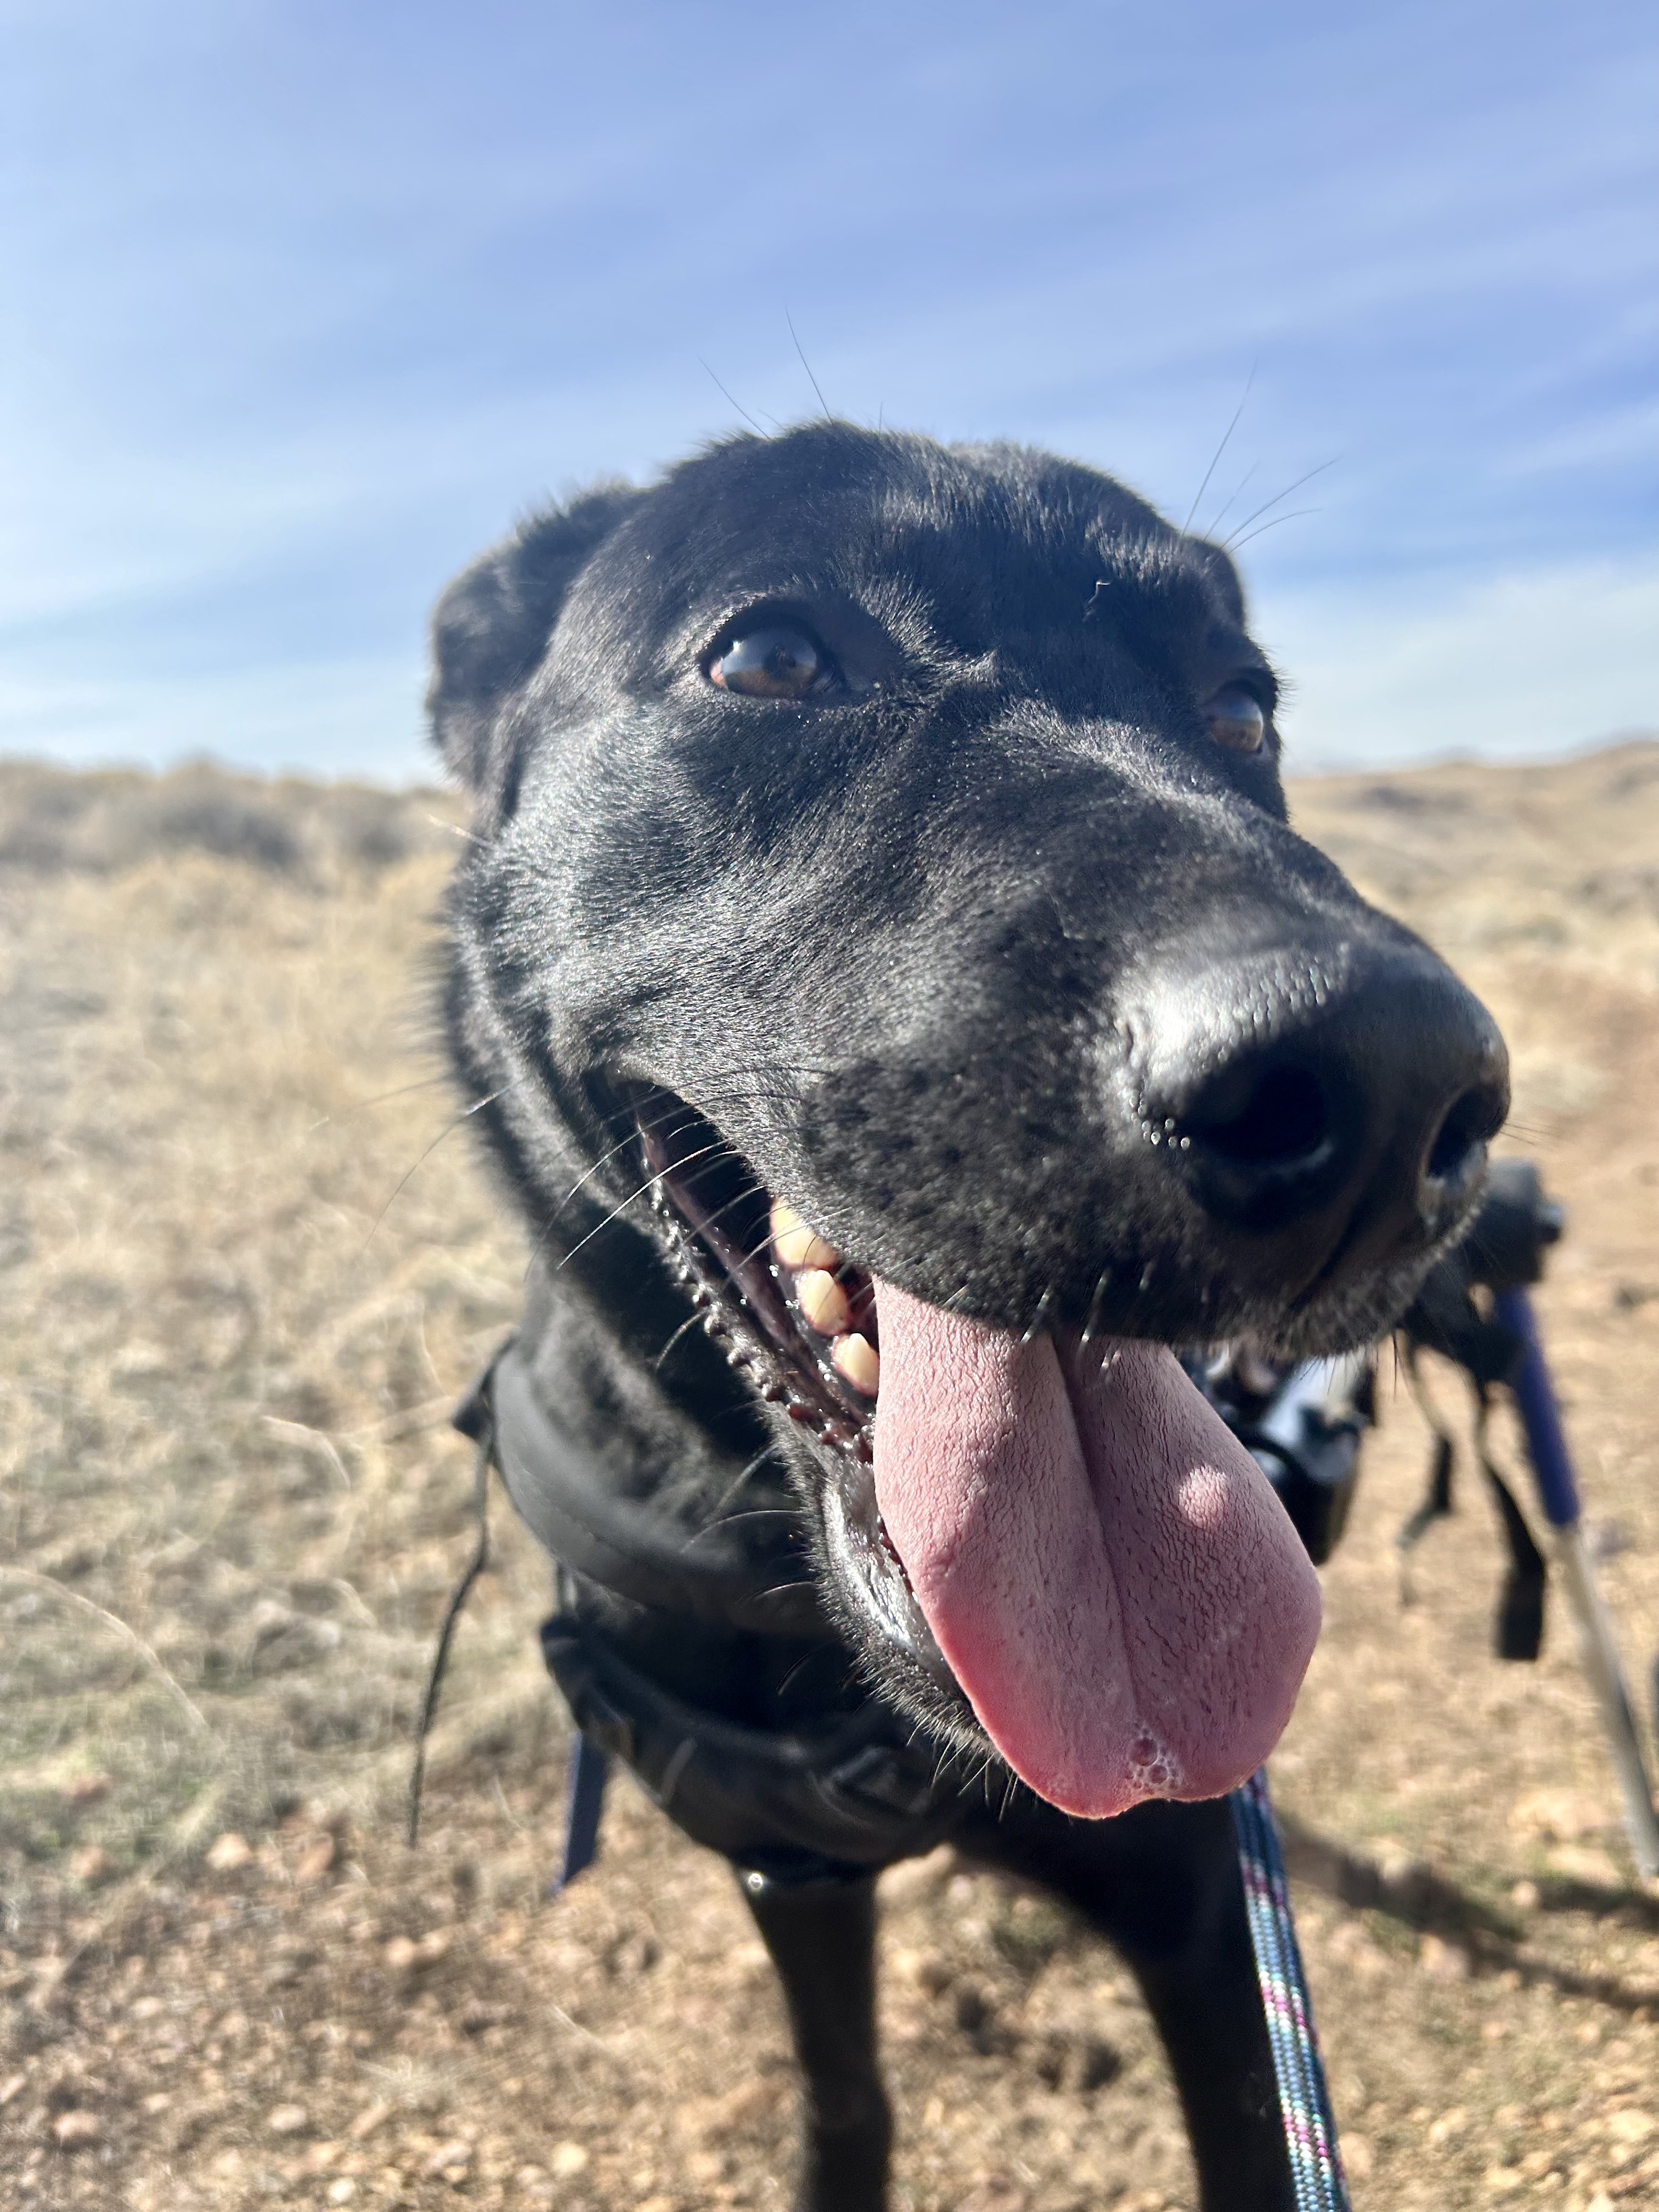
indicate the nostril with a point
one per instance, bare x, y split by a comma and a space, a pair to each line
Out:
1475, 1116
1276, 1116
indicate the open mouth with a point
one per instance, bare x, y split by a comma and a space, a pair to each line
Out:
806, 1317
1063, 1532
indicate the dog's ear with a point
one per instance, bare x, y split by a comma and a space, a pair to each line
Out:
492, 626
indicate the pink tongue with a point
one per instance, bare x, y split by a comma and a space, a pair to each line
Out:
1103, 1565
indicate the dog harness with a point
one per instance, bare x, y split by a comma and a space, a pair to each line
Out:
839, 1796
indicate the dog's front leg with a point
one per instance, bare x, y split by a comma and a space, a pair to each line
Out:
822, 1938
1162, 1884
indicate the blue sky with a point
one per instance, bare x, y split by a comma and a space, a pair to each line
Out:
301, 305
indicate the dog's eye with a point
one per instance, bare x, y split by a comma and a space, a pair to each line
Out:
1236, 720
778, 663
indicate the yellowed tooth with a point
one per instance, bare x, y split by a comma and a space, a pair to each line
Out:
822, 1301
797, 1244
856, 1360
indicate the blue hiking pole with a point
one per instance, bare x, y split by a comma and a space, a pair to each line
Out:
1557, 1493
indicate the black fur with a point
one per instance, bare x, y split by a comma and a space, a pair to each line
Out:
972, 956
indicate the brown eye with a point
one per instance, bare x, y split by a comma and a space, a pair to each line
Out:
769, 664
1236, 720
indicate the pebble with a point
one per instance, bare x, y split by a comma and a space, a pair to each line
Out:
288, 2120
315, 1861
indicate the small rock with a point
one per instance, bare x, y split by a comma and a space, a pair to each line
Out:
230, 1853
1631, 2126
401, 1954
569, 2160
927, 1969
288, 2120
1561, 1816
73, 2130
1358, 2157
912, 1879
1524, 1896
1442, 1962
371, 2117
1449, 2124
315, 1861
997, 2194
449, 2158
717, 2119
342, 2192
13, 2086
1584, 1863
91, 1864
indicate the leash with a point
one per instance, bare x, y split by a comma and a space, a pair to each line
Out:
1305, 2103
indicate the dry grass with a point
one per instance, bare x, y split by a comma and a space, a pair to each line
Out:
243, 1272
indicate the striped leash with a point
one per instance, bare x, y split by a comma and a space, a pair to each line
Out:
1304, 2102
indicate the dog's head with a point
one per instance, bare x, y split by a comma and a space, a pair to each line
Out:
882, 896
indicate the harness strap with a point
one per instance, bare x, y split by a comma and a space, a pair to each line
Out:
1304, 2104
584, 1802
458, 1597
1518, 1627
568, 1497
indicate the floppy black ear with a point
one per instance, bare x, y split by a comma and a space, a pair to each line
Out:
491, 627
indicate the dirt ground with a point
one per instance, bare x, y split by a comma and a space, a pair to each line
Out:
247, 1262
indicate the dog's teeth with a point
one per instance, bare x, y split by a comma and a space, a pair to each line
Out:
822, 1301
797, 1243
856, 1360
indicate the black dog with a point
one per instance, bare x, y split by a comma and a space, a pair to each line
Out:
883, 945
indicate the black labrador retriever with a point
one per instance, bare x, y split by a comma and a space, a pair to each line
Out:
902, 1014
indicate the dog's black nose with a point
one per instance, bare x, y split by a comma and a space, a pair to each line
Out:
1328, 1109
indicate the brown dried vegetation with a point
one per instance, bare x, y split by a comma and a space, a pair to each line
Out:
243, 1272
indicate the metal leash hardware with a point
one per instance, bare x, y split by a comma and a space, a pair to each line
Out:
1304, 2104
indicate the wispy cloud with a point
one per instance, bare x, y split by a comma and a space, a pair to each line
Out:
306, 303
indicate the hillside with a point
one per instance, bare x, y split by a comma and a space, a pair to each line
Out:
247, 1263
